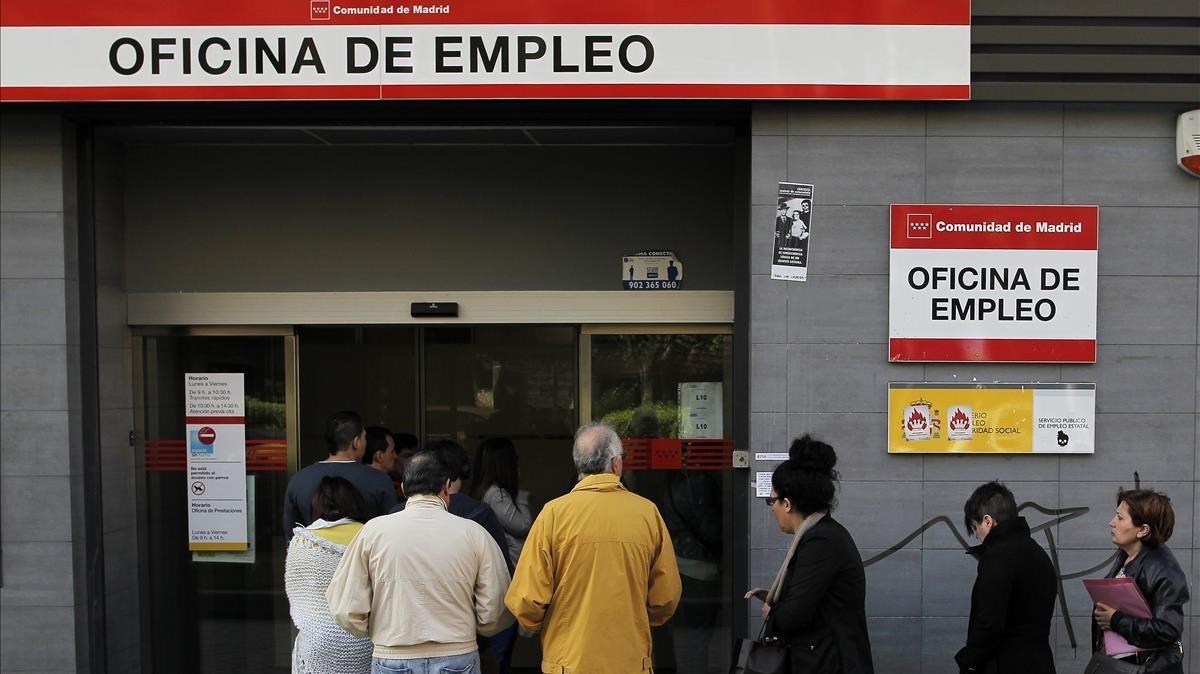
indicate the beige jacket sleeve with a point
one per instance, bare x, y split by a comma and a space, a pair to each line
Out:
665, 586
349, 594
491, 583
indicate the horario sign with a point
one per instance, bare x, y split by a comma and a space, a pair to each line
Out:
483, 49
993, 283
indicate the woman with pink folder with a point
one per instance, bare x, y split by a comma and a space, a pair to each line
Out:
1142, 525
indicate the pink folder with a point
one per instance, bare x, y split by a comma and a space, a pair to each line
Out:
1122, 594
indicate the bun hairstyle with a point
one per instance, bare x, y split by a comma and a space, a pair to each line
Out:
807, 478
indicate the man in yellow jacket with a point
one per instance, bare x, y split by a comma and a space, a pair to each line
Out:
598, 569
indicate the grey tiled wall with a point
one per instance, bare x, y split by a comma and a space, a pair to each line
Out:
39, 397
819, 357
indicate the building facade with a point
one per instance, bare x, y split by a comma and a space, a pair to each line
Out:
289, 241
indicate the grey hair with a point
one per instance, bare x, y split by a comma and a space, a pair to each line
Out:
596, 445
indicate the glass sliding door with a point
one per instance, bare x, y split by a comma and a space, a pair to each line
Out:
369, 369
668, 392
216, 612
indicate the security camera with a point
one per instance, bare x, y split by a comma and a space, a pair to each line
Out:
1187, 142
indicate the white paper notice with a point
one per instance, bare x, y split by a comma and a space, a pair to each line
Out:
770, 456
762, 484
216, 461
701, 410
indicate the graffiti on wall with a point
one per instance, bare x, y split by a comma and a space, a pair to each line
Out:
1058, 516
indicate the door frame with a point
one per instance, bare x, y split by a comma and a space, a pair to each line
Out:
138, 439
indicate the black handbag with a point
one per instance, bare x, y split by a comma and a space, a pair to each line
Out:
1105, 664
764, 655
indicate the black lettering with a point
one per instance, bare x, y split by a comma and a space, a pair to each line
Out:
940, 276
1050, 278
985, 306
479, 54
591, 53
139, 57
1070, 279
395, 53
559, 66
441, 53
915, 273
647, 57
262, 52
202, 56
352, 45
187, 56
157, 55
968, 284
962, 310
523, 52
939, 308
1045, 310
242, 60
308, 56
1020, 281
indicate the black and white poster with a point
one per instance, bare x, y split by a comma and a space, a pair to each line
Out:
793, 219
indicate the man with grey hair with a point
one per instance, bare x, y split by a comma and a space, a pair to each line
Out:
598, 561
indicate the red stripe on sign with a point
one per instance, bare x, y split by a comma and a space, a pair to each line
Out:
680, 91
326, 12
998, 227
993, 350
337, 92
215, 421
487, 91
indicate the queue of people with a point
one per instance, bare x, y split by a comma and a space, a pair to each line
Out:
438, 580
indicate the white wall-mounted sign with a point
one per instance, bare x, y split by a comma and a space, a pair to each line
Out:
482, 49
216, 461
993, 283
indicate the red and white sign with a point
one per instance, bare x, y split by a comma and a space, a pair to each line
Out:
215, 417
483, 49
993, 283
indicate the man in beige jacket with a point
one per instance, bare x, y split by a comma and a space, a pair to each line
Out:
422, 582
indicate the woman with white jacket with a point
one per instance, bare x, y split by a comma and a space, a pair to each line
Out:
322, 647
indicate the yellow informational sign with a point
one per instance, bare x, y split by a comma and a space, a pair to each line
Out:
991, 418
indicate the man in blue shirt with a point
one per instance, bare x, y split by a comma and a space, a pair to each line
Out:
346, 439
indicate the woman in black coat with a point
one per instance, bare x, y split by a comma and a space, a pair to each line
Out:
1141, 527
817, 603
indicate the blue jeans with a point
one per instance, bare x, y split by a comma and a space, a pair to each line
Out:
502, 645
467, 663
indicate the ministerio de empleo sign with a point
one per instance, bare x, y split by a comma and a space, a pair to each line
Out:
482, 49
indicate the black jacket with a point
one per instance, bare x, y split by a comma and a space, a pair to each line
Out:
1012, 604
1164, 585
821, 610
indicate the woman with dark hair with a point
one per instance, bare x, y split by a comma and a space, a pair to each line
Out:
496, 480
495, 484
817, 604
1141, 527
313, 555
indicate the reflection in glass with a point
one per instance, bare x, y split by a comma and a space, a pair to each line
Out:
637, 384
224, 613
369, 369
